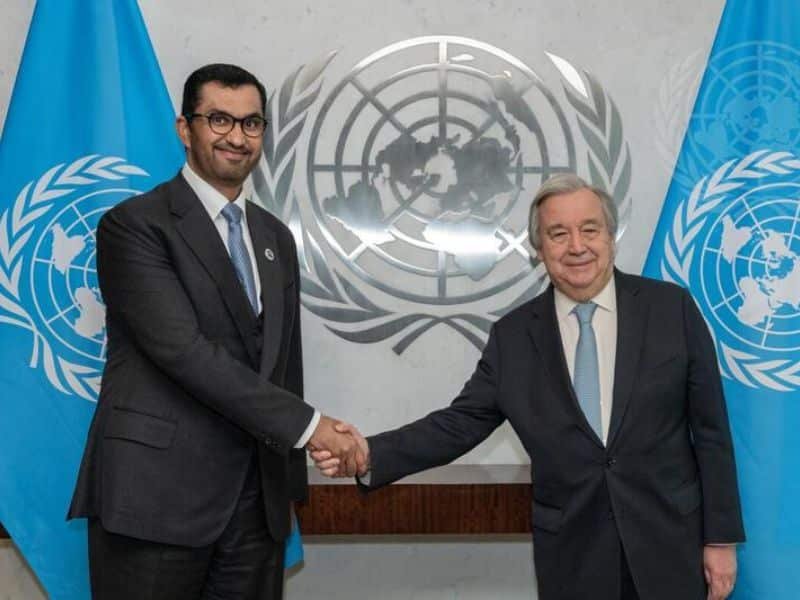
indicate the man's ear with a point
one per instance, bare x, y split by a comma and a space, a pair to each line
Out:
184, 131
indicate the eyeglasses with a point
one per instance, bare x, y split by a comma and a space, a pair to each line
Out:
222, 123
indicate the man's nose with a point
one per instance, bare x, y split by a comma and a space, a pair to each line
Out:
236, 135
576, 245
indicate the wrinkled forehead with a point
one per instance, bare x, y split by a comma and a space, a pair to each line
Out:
572, 208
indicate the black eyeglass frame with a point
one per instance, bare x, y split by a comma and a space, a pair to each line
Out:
233, 120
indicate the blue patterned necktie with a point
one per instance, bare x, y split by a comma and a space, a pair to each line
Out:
238, 251
586, 375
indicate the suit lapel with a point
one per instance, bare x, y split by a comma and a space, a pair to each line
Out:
631, 318
265, 247
199, 233
547, 340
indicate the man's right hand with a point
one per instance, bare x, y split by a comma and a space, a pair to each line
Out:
338, 441
331, 465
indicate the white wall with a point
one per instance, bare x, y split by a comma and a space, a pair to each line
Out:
646, 54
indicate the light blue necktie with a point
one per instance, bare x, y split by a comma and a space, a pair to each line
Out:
239, 256
586, 376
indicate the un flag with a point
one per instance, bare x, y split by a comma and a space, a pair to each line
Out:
730, 232
90, 123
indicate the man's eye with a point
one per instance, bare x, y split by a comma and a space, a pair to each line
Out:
557, 236
219, 119
252, 123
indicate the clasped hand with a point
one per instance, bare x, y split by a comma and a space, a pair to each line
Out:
338, 449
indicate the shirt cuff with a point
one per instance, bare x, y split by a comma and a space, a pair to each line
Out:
365, 479
312, 425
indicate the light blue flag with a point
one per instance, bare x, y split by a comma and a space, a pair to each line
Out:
89, 124
730, 232
294, 546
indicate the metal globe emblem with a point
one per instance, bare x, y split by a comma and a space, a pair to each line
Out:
418, 164
410, 211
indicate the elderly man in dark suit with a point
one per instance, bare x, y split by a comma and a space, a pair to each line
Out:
196, 448
611, 383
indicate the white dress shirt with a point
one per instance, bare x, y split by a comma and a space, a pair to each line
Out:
604, 323
214, 201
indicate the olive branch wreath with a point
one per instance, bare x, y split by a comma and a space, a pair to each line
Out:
329, 295
679, 253
17, 225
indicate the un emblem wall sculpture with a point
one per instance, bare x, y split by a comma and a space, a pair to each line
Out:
409, 194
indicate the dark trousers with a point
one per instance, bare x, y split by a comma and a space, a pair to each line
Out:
245, 563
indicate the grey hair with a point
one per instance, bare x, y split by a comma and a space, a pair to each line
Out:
566, 183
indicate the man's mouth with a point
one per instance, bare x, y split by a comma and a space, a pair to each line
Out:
580, 264
232, 154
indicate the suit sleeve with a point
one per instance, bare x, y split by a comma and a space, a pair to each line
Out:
298, 483
445, 434
708, 418
144, 293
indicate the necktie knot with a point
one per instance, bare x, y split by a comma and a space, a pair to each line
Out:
232, 213
584, 312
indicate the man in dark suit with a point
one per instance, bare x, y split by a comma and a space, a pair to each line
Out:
611, 383
196, 448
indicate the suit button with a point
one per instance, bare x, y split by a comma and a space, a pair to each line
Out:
611, 462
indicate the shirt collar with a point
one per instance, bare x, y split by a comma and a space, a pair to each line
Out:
605, 299
212, 199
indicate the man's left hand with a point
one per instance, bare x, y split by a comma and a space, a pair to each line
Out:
719, 566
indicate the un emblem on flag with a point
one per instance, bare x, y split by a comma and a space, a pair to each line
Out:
751, 100
48, 279
736, 242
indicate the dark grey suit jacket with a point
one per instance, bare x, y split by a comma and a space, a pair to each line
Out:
195, 387
662, 487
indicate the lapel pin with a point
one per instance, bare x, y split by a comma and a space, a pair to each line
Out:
269, 254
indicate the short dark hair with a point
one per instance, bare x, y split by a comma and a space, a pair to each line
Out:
228, 75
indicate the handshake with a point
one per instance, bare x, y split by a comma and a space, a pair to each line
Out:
338, 449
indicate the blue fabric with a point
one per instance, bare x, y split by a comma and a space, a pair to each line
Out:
728, 231
89, 124
294, 545
586, 373
238, 252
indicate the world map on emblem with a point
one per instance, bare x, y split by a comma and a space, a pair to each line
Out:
417, 163
64, 284
751, 267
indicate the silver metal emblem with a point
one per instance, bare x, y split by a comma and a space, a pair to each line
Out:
419, 195
269, 254
419, 171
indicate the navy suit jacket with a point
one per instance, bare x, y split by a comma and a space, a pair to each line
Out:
195, 387
662, 487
